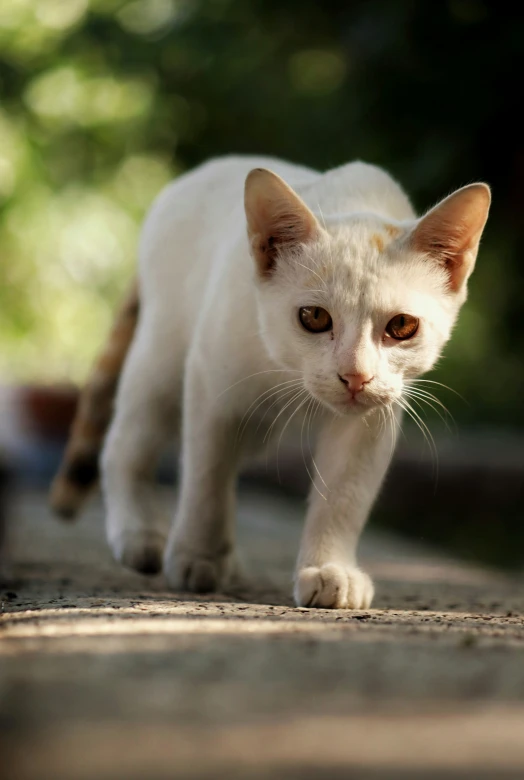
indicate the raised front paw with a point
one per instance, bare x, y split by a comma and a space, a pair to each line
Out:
196, 572
333, 586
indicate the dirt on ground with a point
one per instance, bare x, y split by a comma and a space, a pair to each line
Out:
106, 674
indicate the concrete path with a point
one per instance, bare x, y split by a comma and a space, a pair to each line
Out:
106, 674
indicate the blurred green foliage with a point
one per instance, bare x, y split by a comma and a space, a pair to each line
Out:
102, 101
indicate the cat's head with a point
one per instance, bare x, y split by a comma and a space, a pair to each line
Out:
363, 305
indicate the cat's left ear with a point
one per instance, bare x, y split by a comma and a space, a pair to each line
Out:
277, 219
451, 231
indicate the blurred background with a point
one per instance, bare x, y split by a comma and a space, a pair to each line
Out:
104, 101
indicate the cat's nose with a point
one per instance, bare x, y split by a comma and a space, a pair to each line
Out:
355, 382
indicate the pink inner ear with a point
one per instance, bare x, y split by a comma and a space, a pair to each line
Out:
450, 232
276, 218
283, 230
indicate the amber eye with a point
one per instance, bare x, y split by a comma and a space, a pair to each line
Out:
402, 327
315, 319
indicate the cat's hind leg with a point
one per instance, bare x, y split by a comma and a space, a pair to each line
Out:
145, 418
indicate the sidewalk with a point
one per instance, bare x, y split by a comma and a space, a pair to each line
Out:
105, 674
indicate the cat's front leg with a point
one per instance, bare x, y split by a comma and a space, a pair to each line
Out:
200, 554
352, 457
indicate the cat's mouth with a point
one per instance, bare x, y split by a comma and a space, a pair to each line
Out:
355, 402
362, 403
361, 406
348, 405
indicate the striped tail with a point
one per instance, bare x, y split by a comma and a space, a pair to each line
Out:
78, 472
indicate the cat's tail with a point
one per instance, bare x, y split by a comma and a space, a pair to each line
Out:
78, 472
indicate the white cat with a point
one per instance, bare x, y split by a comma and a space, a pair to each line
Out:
346, 297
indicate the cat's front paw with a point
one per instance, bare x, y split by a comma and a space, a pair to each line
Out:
197, 573
140, 550
334, 586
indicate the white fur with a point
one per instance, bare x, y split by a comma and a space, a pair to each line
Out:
213, 337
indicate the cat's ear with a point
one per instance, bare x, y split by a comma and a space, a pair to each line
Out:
277, 219
451, 231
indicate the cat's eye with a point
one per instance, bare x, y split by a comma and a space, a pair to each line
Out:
315, 319
402, 327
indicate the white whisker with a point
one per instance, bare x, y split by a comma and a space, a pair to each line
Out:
391, 416
432, 382
279, 399
316, 408
282, 387
301, 404
425, 394
258, 373
421, 398
419, 422
310, 475
308, 409
269, 430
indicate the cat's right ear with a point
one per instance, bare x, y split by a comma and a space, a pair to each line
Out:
277, 219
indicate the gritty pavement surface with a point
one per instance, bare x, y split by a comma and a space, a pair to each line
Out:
106, 674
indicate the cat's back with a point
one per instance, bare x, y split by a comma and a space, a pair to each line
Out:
199, 210
357, 187
194, 244
200, 215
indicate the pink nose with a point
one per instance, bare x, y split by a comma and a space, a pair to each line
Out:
355, 382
